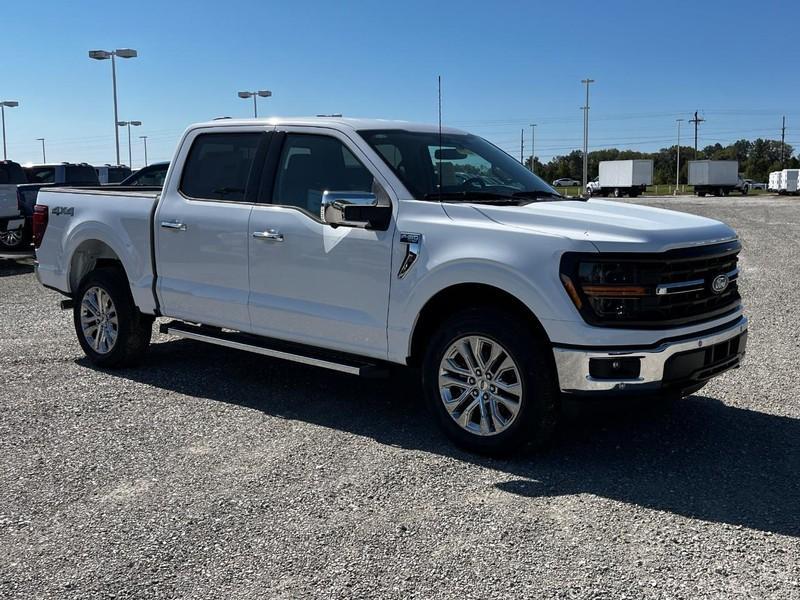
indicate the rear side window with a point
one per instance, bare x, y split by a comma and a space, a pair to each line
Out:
115, 175
42, 174
80, 174
11, 173
218, 165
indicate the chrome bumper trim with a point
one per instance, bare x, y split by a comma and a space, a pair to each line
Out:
573, 365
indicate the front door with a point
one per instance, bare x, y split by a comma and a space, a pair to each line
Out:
310, 282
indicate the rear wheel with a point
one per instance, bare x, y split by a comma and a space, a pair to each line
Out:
616, 193
15, 239
490, 385
110, 329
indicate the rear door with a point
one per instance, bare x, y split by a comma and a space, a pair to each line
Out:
201, 226
310, 282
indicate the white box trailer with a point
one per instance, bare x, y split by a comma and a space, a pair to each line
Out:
789, 181
774, 183
717, 177
623, 177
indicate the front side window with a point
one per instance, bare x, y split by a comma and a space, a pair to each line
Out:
218, 166
152, 176
455, 167
313, 164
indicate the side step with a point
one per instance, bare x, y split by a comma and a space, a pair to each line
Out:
316, 357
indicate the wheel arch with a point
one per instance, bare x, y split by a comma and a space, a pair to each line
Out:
462, 296
89, 255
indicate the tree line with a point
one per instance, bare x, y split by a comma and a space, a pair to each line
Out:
756, 160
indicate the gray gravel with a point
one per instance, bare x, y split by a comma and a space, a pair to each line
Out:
212, 473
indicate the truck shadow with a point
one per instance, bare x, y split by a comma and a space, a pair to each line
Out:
699, 458
11, 264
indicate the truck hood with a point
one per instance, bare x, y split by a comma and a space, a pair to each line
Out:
612, 226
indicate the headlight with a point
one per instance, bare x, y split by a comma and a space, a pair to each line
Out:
607, 289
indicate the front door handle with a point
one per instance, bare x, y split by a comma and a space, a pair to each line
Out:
272, 235
176, 225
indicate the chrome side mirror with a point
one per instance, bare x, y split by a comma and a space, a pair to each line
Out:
354, 209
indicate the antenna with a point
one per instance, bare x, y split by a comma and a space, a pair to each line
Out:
440, 138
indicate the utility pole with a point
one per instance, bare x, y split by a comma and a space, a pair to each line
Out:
697, 120
522, 145
533, 147
586, 81
678, 161
783, 137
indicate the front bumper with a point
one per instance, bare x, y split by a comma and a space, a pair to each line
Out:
680, 363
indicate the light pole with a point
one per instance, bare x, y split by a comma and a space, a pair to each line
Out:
254, 95
586, 81
144, 139
3, 105
112, 54
44, 156
533, 147
128, 125
678, 161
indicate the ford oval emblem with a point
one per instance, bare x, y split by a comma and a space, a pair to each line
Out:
720, 283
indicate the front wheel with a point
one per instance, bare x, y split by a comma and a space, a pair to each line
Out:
110, 329
490, 382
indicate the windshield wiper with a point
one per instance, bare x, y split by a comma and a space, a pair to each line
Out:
483, 197
536, 194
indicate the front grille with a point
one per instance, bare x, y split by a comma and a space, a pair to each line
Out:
656, 290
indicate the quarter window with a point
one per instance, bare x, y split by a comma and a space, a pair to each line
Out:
218, 166
312, 164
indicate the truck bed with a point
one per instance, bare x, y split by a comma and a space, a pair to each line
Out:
80, 216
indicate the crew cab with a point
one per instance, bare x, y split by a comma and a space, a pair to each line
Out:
351, 245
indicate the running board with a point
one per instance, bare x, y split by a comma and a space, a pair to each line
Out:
275, 348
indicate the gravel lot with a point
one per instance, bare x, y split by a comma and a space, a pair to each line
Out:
209, 473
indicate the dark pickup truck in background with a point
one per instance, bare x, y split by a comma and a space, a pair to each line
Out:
44, 176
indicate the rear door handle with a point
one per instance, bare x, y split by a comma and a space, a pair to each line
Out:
272, 235
176, 225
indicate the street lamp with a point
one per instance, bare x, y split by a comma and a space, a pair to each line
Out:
678, 161
105, 55
3, 105
44, 156
254, 95
144, 138
586, 81
128, 125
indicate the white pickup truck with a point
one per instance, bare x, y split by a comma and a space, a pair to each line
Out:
352, 244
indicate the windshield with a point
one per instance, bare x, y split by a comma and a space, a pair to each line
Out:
456, 167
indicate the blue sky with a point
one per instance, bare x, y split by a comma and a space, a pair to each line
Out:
503, 65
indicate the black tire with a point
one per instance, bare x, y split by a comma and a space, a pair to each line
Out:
15, 240
538, 408
134, 329
701, 194
616, 193
745, 191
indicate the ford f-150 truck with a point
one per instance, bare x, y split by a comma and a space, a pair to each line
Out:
351, 244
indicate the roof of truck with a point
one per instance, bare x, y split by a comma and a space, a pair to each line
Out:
334, 122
